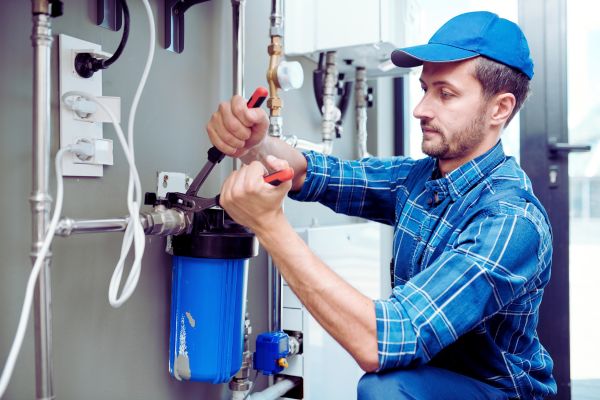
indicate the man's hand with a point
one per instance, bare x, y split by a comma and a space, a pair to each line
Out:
234, 128
252, 202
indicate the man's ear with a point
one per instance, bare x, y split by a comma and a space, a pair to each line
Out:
502, 107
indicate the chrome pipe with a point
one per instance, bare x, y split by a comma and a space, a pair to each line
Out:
276, 32
68, 226
275, 296
238, 8
325, 147
239, 45
40, 200
276, 18
161, 221
240, 384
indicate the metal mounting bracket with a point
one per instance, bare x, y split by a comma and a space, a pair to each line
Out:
109, 14
174, 23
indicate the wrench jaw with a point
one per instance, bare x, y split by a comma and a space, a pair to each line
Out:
189, 203
188, 209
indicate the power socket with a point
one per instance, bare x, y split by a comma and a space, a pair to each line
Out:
72, 126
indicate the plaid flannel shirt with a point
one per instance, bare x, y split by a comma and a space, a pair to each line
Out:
474, 309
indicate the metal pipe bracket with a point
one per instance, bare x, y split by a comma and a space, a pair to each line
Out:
174, 23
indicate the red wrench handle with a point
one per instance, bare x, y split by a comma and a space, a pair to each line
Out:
278, 177
257, 98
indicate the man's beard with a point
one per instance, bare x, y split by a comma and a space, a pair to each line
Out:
462, 142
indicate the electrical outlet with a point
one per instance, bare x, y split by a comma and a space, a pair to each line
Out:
72, 126
176, 182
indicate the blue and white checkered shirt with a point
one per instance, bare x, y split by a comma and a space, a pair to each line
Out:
474, 309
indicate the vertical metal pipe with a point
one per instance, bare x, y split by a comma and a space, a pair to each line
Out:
238, 8
276, 18
240, 384
239, 45
41, 40
275, 129
275, 296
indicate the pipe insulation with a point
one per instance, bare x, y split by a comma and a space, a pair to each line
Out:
331, 113
360, 95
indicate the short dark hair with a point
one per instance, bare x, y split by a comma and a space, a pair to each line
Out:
498, 78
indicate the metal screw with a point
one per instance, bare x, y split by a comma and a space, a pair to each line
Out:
165, 181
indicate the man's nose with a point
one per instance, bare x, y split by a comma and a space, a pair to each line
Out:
423, 110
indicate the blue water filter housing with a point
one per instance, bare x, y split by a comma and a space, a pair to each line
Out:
208, 292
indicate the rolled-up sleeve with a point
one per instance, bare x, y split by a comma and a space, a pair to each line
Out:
364, 188
493, 261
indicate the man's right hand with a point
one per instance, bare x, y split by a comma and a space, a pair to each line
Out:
234, 128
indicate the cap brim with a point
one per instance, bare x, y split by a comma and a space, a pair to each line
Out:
414, 56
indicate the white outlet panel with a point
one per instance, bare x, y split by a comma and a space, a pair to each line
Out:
73, 127
175, 182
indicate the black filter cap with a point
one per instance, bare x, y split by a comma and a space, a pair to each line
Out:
216, 235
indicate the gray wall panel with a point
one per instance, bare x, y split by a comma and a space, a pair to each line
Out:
100, 352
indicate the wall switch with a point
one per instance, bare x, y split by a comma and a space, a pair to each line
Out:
81, 124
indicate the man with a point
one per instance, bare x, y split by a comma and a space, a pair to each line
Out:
472, 246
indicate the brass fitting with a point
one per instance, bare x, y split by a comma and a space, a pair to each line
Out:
275, 49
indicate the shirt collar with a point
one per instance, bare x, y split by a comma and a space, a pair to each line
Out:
462, 179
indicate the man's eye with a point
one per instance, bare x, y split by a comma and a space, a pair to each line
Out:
446, 94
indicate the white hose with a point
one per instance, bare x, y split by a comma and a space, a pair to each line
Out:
134, 232
274, 392
35, 271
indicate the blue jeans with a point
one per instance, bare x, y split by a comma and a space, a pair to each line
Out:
425, 383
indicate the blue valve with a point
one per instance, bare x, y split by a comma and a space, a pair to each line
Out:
272, 348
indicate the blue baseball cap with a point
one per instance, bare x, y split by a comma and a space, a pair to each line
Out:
469, 35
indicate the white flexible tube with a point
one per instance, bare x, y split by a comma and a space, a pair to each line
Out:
134, 232
274, 392
134, 189
35, 271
